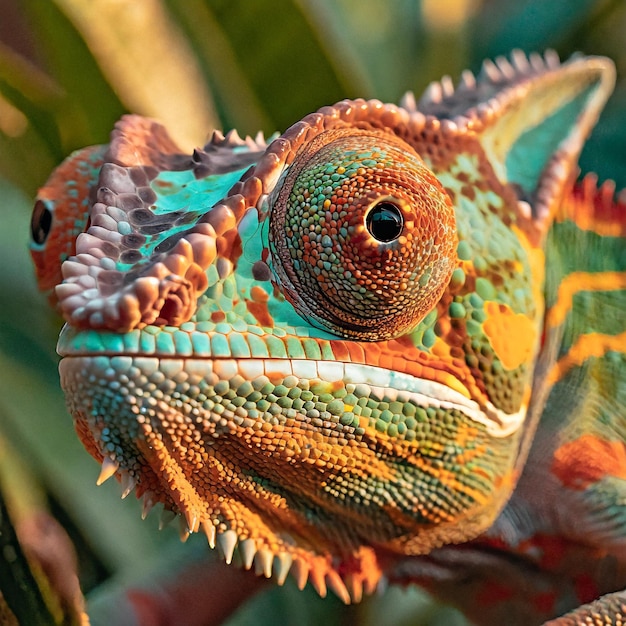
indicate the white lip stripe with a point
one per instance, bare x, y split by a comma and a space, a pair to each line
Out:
304, 369
407, 388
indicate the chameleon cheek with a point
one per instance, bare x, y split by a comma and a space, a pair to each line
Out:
501, 324
362, 234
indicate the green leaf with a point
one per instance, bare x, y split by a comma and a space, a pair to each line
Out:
531, 25
19, 587
33, 94
273, 52
147, 61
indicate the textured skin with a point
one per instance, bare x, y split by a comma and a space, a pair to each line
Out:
611, 610
389, 342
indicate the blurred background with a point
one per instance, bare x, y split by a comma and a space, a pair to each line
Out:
70, 68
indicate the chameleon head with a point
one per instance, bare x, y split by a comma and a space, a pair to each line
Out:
321, 350
362, 234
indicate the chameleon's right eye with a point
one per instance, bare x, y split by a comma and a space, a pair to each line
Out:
40, 223
384, 221
362, 234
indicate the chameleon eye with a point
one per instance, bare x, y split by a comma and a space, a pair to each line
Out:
384, 221
40, 223
362, 234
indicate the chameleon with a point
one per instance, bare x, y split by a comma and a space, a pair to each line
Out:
386, 345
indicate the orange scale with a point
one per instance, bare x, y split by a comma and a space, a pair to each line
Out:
386, 361
356, 352
415, 369
399, 364
372, 354
340, 351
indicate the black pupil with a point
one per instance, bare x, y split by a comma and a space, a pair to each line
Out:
40, 223
385, 222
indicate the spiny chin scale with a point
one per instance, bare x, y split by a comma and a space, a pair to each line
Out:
243, 553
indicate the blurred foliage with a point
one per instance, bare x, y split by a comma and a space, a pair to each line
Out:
70, 68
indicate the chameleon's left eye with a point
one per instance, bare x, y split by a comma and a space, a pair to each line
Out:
40, 223
362, 234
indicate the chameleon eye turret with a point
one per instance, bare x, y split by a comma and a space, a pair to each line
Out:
59, 217
362, 234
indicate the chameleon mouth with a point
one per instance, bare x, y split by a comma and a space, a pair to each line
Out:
392, 385
148, 443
